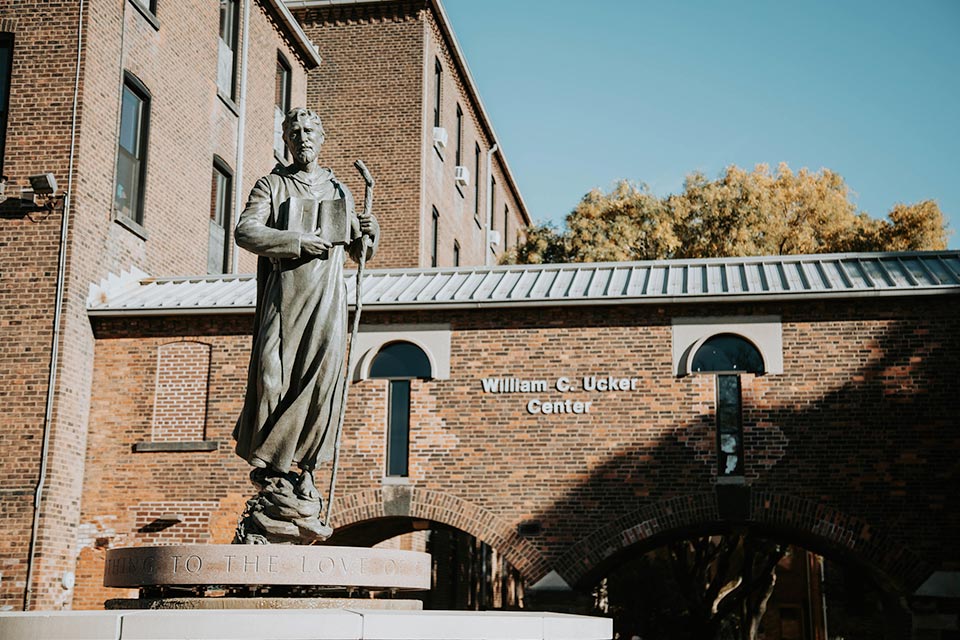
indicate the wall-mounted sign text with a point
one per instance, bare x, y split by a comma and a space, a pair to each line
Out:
563, 384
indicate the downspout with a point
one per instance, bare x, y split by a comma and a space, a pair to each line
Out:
57, 314
241, 135
489, 224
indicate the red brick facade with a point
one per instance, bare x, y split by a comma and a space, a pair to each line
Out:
376, 95
174, 54
850, 451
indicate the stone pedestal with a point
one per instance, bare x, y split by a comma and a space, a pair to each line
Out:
238, 576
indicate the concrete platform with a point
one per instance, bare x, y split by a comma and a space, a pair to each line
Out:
330, 624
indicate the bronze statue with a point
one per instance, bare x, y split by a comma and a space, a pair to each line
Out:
300, 221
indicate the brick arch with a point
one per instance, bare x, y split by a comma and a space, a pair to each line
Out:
448, 509
811, 524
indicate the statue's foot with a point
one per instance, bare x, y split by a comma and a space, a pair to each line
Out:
306, 489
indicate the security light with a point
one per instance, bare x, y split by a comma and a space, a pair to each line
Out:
44, 184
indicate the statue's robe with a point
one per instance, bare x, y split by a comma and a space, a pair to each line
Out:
295, 378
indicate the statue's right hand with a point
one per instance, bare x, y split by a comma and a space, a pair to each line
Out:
313, 245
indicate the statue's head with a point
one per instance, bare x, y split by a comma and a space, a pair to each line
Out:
303, 135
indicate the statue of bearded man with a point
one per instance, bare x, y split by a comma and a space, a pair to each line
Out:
295, 379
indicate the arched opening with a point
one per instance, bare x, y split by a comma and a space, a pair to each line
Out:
744, 583
727, 353
399, 363
468, 574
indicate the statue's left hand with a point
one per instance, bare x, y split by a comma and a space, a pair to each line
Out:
366, 223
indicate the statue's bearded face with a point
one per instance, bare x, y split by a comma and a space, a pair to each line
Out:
304, 138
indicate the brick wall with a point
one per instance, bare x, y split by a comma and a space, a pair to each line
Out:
457, 204
849, 451
375, 93
188, 125
368, 91
38, 141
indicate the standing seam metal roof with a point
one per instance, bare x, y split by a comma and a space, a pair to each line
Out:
680, 281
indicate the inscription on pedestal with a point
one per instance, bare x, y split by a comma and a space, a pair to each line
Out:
231, 564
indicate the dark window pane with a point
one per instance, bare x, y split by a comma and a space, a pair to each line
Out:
282, 88
5, 53
434, 238
459, 134
400, 360
476, 182
398, 428
729, 426
227, 17
220, 198
437, 70
727, 353
131, 152
130, 121
227, 55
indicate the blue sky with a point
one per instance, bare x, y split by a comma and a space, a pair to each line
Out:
585, 93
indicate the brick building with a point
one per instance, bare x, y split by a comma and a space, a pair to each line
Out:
154, 118
395, 89
568, 416
555, 413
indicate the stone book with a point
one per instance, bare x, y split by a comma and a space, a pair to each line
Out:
326, 218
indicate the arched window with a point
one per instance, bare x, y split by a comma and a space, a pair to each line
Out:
728, 355
399, 362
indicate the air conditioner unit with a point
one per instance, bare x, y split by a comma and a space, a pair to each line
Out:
493, 238
462, 176
440, 137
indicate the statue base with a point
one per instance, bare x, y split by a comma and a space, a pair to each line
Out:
263, 602
265, 576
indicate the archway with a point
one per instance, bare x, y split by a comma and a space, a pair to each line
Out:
467, 573
789, 538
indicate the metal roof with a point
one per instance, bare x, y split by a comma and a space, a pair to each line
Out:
846, 275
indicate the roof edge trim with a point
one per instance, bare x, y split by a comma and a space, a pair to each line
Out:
308, 52
545, 302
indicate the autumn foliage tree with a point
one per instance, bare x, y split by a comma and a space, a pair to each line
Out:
742, 213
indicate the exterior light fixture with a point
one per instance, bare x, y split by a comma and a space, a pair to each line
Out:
43, 184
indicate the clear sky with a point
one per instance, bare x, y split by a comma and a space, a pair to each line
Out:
582, 94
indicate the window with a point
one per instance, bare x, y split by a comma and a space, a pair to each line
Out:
221, 191
729, 426
132, 150
281, 101
147, 5
456, 253
493, 201
434, 237
459, 136
227, 57
6, 60
399, 362
728, 355
506, 222
437, 73
476, 192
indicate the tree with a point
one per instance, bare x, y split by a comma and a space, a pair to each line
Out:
706, 588
742, 213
